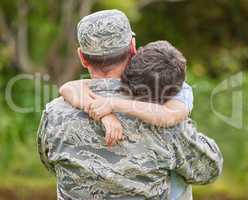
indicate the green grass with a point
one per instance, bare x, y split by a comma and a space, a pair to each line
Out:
10, 181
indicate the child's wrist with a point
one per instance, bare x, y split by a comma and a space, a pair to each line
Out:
104, 119
113, 104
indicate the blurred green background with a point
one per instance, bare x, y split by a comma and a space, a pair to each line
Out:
38, 37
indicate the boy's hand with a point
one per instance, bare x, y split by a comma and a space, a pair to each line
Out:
86, 98
77, 93
100, 107
114, 130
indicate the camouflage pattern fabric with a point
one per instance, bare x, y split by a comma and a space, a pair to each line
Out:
104, 33
72, 146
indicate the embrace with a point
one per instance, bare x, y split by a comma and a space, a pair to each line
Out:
125, 134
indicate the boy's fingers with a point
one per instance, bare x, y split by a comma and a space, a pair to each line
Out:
93, 95
113, 137
110, 137
121, 131
90, 110
107, 135
86, 109
117, 135
98, 116
120, 134
91, 113
94, 115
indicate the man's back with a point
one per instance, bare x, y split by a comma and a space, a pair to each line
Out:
73, 146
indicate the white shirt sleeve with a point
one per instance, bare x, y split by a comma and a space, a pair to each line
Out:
185, 95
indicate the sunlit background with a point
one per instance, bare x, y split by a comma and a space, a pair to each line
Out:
37, 37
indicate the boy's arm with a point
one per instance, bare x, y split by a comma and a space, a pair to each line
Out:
113, 129
77, 93
171, 113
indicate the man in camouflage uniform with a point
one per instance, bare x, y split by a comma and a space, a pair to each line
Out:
73, 147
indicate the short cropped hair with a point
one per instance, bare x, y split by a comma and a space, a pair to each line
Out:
106, 63
156, 73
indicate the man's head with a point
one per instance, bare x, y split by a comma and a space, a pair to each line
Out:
106, 43
156, 72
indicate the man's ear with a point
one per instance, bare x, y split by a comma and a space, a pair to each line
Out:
133, 47
83, 61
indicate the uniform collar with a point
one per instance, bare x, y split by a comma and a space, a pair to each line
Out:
105, 84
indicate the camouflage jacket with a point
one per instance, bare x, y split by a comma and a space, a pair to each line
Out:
73, 147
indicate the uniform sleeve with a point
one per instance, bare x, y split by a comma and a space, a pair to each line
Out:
59, 157
185, 95
197, 157
41, 141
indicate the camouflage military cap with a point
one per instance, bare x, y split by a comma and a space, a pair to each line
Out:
104, 33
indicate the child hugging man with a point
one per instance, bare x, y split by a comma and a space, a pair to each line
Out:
154, 77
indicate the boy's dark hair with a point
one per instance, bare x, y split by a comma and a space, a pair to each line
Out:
106, 63
156, 73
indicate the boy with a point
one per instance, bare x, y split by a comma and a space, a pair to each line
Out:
154, 77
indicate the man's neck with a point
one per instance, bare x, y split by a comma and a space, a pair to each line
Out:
114, 73
107, 76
